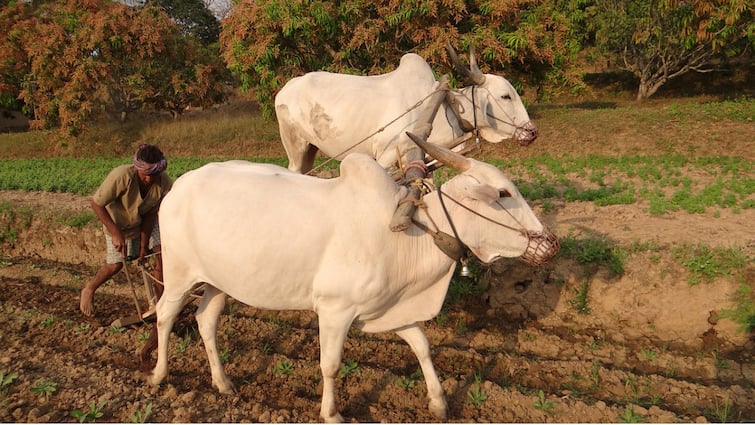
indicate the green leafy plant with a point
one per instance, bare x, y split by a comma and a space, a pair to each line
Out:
283, 367
116, 329
347, 368
184, 344
141, 416
542, 404
82, 328
225, 355
409, 382
593, 253
48, 321
5, 381
91, 415
476, 395
649, 354
744, 313
580, 302
44, 388
706, 263
722, 411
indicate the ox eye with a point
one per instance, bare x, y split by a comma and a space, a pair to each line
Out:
504, 193
506, 97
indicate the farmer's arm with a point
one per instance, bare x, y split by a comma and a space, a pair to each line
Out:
112, 228
145, 232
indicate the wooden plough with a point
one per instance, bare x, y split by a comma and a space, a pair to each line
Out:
150, 293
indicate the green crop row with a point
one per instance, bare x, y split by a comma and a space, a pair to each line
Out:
666, 183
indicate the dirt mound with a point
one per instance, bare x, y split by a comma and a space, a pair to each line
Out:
515, 344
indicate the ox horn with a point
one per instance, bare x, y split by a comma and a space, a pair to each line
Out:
446, 156
473, 73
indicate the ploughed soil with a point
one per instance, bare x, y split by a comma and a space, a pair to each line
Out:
567, 342
513, 349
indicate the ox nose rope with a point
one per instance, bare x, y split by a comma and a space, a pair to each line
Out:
541, 246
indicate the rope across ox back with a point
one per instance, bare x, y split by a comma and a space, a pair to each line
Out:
379, 130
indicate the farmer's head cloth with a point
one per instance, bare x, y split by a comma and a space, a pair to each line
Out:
150, 160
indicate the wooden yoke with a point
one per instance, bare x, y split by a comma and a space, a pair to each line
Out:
413, 160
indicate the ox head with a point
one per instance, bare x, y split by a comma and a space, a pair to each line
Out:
499, 112
490, 215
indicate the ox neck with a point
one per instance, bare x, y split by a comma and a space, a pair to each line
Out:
452, 246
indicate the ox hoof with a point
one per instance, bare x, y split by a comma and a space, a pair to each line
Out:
152, 379
335, 419
439, 409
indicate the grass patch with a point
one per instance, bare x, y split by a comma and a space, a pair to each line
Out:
13, 220
593, 253
705, 263
744, 313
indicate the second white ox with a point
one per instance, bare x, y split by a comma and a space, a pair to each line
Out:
275, 239
339, 113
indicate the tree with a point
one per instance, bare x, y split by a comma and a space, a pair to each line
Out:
658, 40
75, 60
266, 42
193, 17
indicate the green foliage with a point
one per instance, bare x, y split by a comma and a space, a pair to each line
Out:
13, 220
74, 175
5, 380
44, 388
542, 403
581, 301
744, 312
347, 368
48, 322
409, 382
658, 40
267, 42
141, 416
91, 415
194, 18
706, 263
283, 367
476, 395
593, 253
73, 62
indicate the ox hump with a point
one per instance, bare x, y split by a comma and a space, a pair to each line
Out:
362, 170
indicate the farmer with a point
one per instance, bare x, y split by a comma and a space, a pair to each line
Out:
126, 203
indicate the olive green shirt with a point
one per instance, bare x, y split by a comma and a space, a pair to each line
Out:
119, 194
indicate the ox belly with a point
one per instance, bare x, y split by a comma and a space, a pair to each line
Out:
279, 240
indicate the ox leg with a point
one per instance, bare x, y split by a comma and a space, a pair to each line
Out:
333, 330
167, 309
207, 315
417, 340
308, 159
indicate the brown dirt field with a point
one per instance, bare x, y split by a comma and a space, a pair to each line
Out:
652, 348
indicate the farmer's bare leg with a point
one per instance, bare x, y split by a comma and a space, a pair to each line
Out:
87, 293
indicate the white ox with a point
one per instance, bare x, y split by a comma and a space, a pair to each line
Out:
275, 239
339, 114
